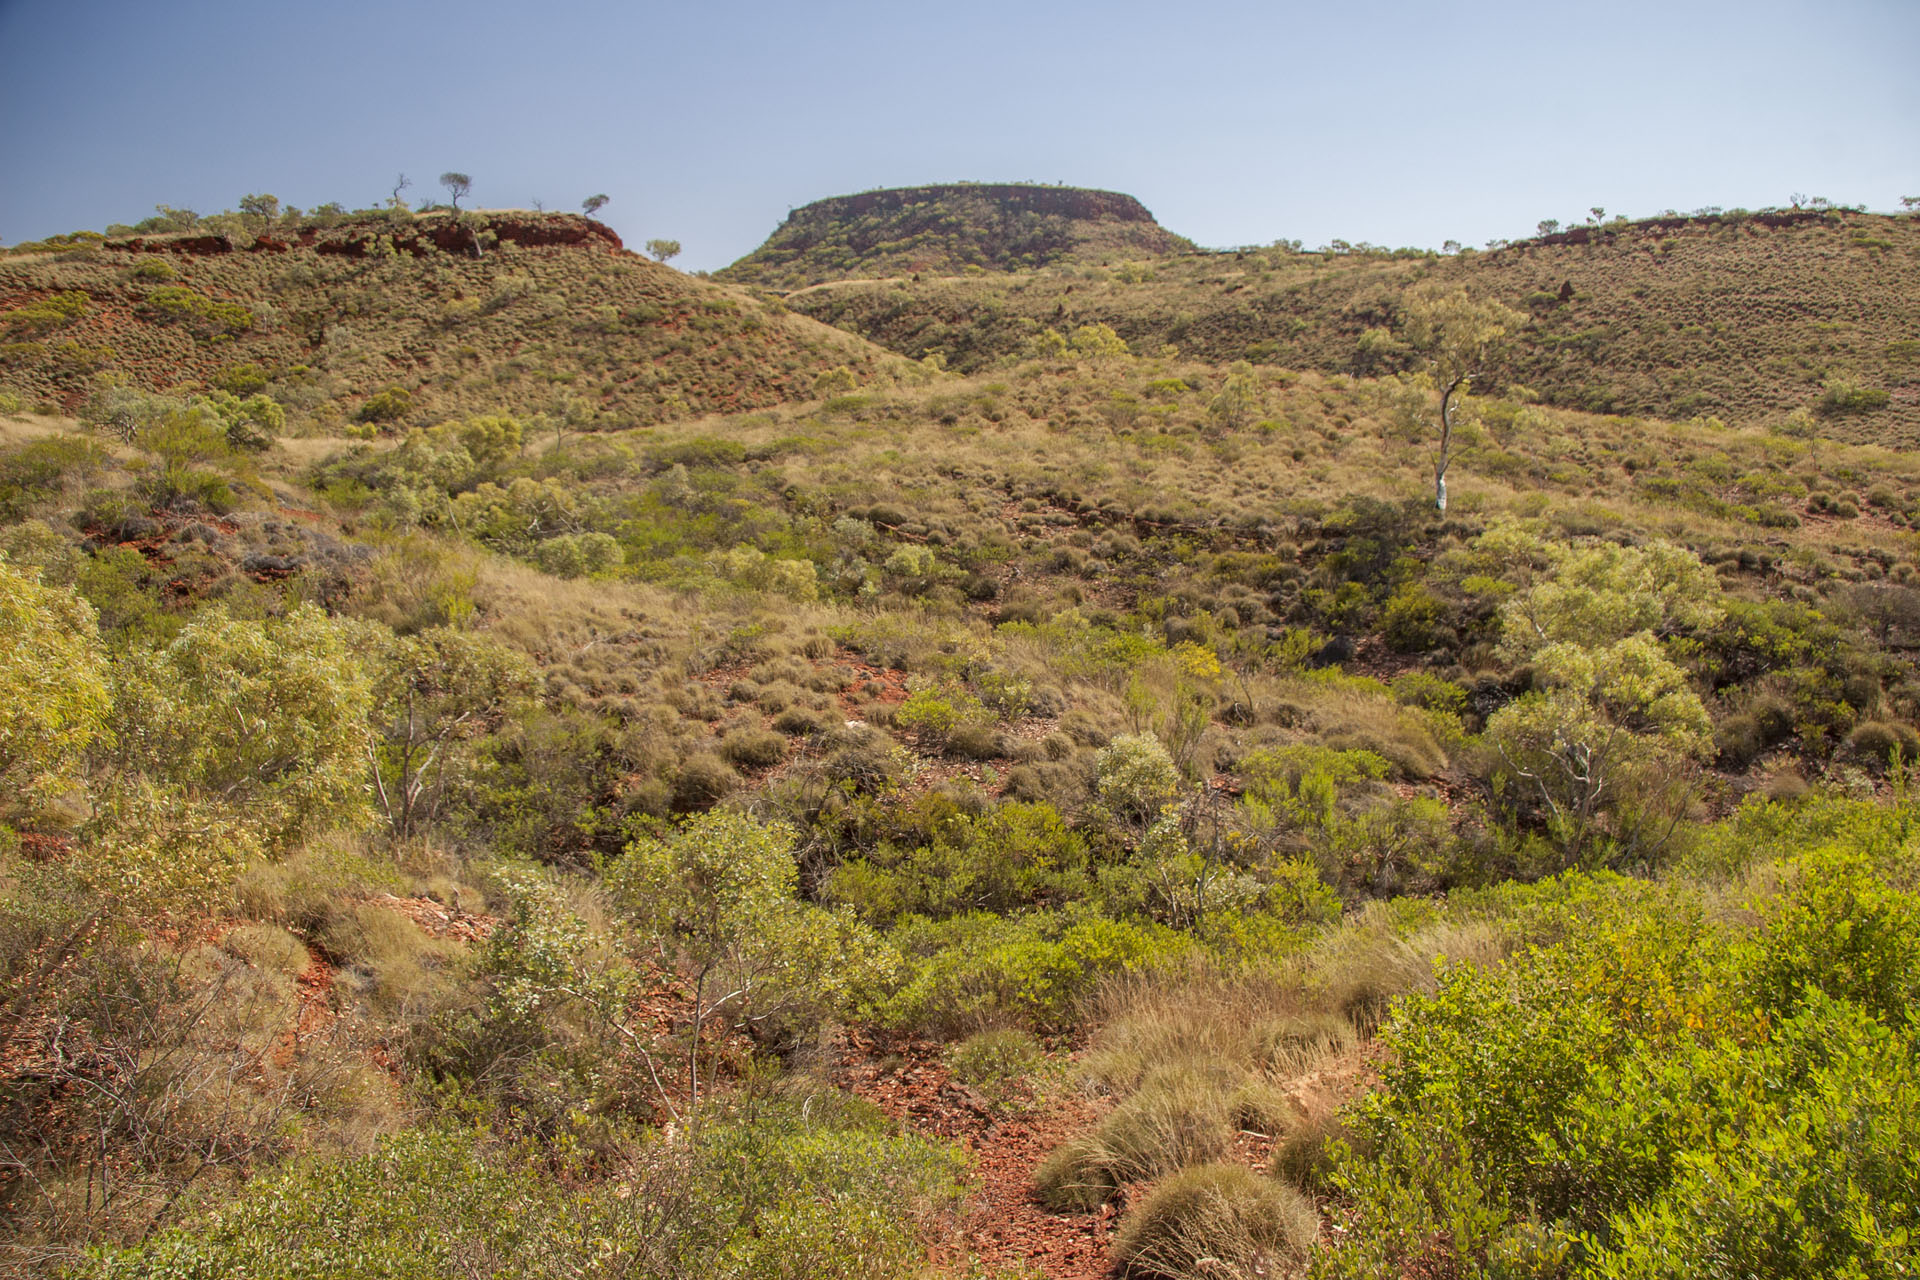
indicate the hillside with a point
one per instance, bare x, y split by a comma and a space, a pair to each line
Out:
947, 229
1087, 815
524, 313
1748, 318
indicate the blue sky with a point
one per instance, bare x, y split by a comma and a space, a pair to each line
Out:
1393, 122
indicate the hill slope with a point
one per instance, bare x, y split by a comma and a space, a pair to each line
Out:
551, 311
950, 228
1745, 317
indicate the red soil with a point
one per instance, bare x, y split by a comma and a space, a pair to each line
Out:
1006, 1226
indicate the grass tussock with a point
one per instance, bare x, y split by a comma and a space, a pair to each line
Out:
1217, 1220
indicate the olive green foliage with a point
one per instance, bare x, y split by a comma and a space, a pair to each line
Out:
1015, 855
438, 693
42, 469
718, 895
207, 317
820, 1182
1596, 592
1602, 746
251, 423
980, 970
1136, 776
389, 405
266, 717
1576, 1102
54, 685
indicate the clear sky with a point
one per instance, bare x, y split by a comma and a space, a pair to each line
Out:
1394, 121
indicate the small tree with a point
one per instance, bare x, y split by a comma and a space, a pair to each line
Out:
400, 184
436, 691
262, 718
457, 185
718, 896
1604, 747
1596, 593
663, 249
1460, 339
264, 207
54, 696
1238, 401
593, 204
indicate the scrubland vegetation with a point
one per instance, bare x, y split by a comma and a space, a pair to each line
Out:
1777, 317
452, 838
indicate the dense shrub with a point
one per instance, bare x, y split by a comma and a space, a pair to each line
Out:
1587, 1089
826, 1183
976, 971
390, 405
1135, 776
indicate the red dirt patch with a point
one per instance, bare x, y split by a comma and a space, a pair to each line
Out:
315, 1013
440, 920
1006, 1225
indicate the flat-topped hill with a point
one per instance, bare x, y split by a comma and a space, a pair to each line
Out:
513, 311
948, 229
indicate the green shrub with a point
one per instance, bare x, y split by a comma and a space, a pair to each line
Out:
47, 314
1135, 776
1842, 396
174, 303
1011, 856
1590, 1084
238, 379
821, 1187
979, 970
1840, 930
390, 405
997, 1062
939, 713
41, 469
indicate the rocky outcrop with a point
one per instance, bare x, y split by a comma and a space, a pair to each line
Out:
947, 229
1076, 203
422, 234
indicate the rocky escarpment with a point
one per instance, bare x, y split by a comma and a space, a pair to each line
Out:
468, 234
1064, 202
951, 229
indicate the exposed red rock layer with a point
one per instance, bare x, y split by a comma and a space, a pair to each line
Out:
432, 231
